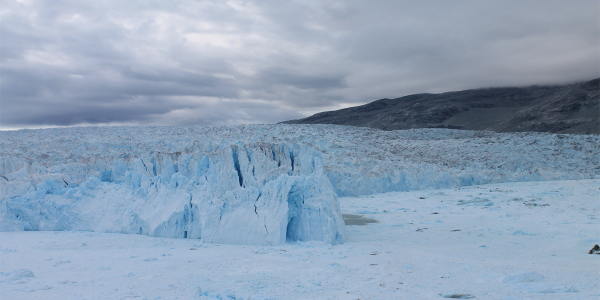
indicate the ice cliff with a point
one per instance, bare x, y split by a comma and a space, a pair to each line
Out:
259, 194
253, 184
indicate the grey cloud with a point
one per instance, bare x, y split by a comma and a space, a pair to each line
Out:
215, 63
63, 115
302, 81
222, 114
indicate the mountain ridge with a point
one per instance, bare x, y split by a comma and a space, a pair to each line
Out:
572, 109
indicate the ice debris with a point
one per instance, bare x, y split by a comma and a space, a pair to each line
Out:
476, 202
16, 275
524, 276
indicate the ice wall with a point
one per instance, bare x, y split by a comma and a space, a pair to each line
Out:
259, 194
203, 182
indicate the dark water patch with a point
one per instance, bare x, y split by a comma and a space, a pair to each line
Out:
350, 219
459, 296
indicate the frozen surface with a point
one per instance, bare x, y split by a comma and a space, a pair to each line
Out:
532, 243
259, 194
358, 161
255, 184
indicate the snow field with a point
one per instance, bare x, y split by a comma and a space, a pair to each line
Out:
527, 241
461, 214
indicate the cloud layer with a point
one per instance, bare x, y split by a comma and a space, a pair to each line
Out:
217, 63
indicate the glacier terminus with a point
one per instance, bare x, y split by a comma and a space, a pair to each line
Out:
253, 184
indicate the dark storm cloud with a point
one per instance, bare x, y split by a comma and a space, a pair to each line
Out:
216, 62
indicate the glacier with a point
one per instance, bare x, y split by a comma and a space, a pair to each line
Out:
258, 194
253, 184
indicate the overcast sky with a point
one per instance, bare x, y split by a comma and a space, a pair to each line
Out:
66, 63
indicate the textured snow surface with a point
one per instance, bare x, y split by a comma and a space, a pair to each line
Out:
532, 243
254, 184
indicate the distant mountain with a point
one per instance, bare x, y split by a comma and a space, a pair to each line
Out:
571, 108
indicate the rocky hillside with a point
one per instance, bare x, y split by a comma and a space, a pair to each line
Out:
571, 109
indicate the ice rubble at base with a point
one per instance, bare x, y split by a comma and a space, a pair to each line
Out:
256, 184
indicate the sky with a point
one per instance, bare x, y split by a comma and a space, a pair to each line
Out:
178, 62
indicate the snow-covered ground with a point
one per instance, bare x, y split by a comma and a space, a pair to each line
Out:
526, 240
255, 212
